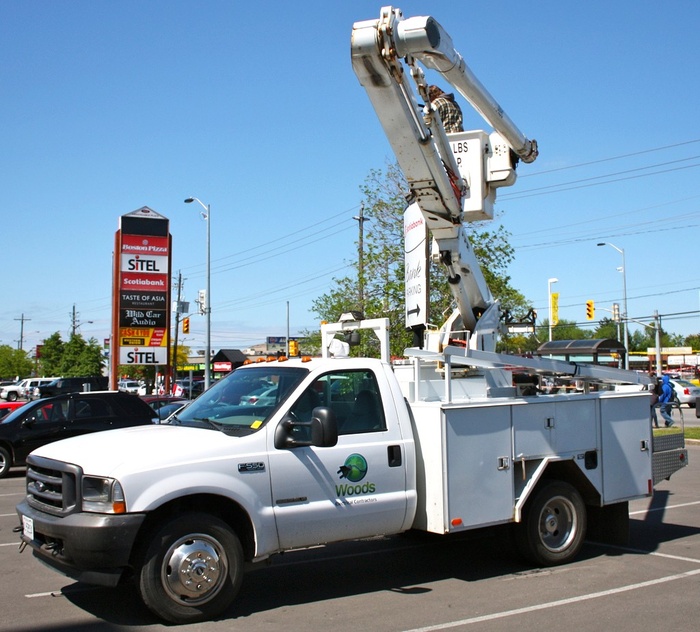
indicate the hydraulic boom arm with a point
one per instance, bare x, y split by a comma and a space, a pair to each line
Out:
452, 177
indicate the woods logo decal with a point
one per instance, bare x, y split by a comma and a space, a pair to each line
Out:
354, 470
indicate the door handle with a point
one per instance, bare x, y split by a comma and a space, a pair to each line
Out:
394, 455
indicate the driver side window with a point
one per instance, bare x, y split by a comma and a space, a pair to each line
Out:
50, 412
352, 395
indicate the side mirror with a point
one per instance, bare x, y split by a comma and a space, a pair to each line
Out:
28, 422
322, 430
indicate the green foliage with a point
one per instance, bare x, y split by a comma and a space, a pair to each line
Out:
74, 358
378, 289
608, 328
14, 363
693, 341
81, 358
51, 355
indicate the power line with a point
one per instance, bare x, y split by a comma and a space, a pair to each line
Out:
542, 191
610, 158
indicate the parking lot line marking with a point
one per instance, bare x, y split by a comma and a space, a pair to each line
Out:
13, 494
645, 511
628, 549
556, 604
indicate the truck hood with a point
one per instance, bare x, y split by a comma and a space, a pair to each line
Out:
126, 450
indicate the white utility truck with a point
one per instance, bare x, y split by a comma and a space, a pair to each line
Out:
290, 453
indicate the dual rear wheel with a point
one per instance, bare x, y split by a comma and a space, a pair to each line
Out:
553, 528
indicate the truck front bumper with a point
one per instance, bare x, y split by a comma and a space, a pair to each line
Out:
91, 548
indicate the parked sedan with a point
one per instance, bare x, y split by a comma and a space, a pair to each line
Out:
686, 392
53, 418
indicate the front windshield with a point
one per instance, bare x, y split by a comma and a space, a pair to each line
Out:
242, 402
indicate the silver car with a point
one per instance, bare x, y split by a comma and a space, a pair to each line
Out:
685, 391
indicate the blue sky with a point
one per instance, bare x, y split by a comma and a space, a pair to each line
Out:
254, 108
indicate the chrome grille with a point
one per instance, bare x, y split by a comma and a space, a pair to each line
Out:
52, 486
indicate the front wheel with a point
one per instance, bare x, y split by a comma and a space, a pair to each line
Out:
12, 396
192, 569
554, 525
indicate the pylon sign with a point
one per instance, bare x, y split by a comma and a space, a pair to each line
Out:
141, 294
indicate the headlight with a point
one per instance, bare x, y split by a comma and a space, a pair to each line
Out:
103, 495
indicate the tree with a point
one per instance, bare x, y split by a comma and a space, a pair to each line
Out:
693, 341
14, 362
75, 358
81, 358
51, 355
607, 328
382, 277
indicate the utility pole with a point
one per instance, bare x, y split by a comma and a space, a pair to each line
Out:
657, 327
74, 321
361, 219
21, 331
177, 324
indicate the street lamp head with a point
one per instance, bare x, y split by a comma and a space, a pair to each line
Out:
552, 280
603, 244
191, 199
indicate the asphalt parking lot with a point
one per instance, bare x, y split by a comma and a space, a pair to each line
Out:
409, 583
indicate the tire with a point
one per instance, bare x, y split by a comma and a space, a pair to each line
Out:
12, 396
554, 525
5, 462
184, 555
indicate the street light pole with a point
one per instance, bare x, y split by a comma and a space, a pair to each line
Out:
551, 310
207, 308
625, 313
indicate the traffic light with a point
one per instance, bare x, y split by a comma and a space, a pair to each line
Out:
293, 348
590, 310
186, 325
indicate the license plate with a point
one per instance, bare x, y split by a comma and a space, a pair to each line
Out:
28, 527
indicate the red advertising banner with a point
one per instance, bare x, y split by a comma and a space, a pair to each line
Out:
145, 245
151, 282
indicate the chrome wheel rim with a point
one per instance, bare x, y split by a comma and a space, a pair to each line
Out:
558, 524
194, 569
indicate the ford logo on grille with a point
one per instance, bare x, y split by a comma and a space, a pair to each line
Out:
40, 486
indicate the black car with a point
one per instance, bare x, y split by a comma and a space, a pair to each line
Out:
73, 385
63, 416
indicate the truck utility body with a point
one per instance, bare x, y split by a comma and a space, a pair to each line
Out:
290, 453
